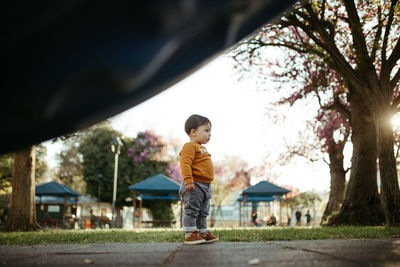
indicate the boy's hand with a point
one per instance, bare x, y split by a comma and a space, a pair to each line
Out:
189, 187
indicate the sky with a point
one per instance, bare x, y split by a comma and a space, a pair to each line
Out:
240, 123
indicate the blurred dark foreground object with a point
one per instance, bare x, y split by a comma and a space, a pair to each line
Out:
70, 64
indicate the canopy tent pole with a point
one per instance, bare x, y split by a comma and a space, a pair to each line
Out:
65, 202
263, 191
159, 187
240, 213
76, 210
280, 211
140, 210
244, 213
134, 207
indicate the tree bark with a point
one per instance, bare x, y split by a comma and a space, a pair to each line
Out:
387, 169
338, 181
362, 205
22, 216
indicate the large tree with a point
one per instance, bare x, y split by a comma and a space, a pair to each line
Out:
28, 166
359, 40
22, 214
332, 134
330, 127
7, 162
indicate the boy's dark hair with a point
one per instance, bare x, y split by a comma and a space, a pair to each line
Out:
195, 121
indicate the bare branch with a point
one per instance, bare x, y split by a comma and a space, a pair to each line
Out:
394, 57
342, 109
397, 152
318, 97
323, 9
378, 34
339, 63
387, 31
360, 45
338, 107
395, 80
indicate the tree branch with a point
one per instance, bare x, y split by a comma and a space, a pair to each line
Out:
339, 63
342, 109
378, 34
323, 9
387, 31
389, 63
338, 107
362, 56
397, 152
394, 57
323, 158
395, 80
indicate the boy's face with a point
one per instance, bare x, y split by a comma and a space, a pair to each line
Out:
202, 134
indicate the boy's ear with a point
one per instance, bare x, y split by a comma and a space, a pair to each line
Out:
192, 131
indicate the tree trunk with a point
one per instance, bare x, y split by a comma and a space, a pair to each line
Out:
212, 216
387, 168
338, 181
22, 216
362, 205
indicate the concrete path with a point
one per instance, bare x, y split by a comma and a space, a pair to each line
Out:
339, 252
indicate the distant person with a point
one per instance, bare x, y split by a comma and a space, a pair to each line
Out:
289, 220
298, 217
254, 219
272, 220
197, 172
308, 217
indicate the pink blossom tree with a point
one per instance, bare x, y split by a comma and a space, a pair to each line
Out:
146, 146
359, 41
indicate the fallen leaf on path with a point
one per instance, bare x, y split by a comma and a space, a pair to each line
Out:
254, 261
89, 261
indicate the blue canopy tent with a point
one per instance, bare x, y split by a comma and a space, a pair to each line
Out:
54, 192
55, 189
262, 192
159, 187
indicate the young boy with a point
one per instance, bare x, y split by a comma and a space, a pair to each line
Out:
197, 173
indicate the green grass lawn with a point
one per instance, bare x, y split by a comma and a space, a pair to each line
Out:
167, 235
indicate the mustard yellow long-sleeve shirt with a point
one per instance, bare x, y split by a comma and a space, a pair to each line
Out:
196, 164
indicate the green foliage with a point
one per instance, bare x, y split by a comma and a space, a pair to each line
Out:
41, 167
234, 235
160, 210
7, 162
70, 171
308, 199
6, 165
303, 200
98, 169
98, 165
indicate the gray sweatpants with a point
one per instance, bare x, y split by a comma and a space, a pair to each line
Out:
196, 206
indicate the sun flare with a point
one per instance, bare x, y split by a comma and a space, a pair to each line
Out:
396, 121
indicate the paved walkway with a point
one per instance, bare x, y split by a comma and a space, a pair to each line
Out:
339, 252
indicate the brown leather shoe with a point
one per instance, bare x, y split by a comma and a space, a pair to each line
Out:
209, 237
193, 238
